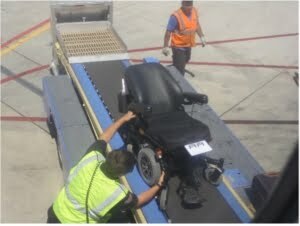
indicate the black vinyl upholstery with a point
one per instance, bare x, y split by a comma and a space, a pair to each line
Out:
176, 129
151, 84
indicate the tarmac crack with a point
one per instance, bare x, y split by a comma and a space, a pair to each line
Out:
22, 55
251, 94
24, 116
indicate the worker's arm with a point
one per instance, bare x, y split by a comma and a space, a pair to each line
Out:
165, 49
110, 131
167, 38
200, 34
199, 31
171, 27
146, 196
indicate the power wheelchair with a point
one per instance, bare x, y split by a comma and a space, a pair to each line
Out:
165, 137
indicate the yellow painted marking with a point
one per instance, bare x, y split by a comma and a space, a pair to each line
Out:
24, 39
250, 211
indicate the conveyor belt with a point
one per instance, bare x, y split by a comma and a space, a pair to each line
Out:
150, 212
106, 78
214, 210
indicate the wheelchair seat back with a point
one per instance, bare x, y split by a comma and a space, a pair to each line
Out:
151, 84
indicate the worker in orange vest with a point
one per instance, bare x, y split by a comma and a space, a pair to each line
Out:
182, 28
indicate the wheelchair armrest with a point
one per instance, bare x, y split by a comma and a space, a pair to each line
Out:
195, 98
139, 108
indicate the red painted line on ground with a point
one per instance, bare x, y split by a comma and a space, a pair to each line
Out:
23, 119
32, 70
244, 65
18, 36
221, 41
264, 122
251, 38
143, 49
226, 64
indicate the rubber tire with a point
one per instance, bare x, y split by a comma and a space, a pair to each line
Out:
59, 153
53, 134
51, 127
163, 199
148, 154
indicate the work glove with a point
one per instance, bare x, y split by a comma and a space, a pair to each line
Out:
203, 41
166, 51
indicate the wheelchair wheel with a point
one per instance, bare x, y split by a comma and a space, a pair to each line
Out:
163, 199
148, 167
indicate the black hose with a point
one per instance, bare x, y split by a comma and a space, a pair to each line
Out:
87, 194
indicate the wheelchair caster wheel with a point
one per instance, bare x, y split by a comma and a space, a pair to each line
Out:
213, 175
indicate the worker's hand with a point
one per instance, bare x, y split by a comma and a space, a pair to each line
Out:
203, 41
162, 178
128, 116
166, 51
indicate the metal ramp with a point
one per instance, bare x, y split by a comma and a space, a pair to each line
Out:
90, 42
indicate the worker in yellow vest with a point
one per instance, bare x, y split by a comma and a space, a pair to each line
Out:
93, 193
182, 28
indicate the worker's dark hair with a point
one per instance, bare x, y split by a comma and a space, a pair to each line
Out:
187, 2
120, 162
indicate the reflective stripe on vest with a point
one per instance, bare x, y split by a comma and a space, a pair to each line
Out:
81, 164
84, 163
94, 211
110, 199
185, 35
98, 211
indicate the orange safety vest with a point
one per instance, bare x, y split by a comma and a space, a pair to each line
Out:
185, 35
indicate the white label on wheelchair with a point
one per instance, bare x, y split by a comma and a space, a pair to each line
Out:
198, 148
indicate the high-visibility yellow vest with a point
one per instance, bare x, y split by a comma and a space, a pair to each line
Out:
105, 193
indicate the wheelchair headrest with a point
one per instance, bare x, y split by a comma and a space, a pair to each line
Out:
152, 84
